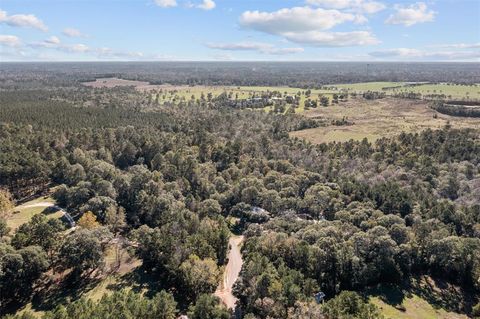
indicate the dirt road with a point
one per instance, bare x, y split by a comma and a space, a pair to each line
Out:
232, 270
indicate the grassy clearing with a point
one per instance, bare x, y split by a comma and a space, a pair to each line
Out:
175, 94
167, 93
22, 214
452, 91
366, 86
378, 118
375, 121
423, 298
116, 276
414, 307
455, 91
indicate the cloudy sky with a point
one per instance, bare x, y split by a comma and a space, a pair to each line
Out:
240, 30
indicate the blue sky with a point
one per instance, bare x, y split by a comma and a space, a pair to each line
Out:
242, 30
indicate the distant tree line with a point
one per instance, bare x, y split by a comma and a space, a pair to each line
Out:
457, 108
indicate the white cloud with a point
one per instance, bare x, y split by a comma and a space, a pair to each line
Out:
416, 54
102, 53
10, 41
223, 57
75, 48
73, 33
332, 39
162, 57
399, 52
410, 15
283, 51
166, 3
306, 25
458, 46
204, 5
297, 19
360, 19
14, 54
22, 20
49, 50
207, 5
364, 6
53, 40
265, 48
110, 53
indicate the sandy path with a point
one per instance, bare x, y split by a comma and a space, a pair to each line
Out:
232, 270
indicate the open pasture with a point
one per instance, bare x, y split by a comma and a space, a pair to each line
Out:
373, 119
450, 90
174, 94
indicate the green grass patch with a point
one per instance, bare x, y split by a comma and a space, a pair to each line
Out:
413, 307
22, 214
423, 298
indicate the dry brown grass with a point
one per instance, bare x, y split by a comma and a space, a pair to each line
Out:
378, 118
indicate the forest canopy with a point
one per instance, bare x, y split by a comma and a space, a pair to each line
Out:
173, 182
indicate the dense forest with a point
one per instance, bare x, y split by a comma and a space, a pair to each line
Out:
294, 74
177, 180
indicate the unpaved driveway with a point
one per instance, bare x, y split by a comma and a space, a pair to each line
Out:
232, 270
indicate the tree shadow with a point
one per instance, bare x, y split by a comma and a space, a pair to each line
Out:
49, 293
142, 280
60, 293
138, 280
438, 293
390, 294
50, 210
441, 294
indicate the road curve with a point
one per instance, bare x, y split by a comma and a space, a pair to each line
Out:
230, 275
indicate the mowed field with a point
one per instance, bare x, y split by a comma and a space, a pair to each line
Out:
374, 119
